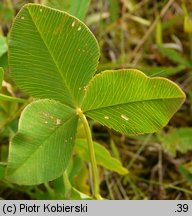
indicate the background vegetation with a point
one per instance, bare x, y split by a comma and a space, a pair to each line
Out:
153, 36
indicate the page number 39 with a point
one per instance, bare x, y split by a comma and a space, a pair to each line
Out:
182, 208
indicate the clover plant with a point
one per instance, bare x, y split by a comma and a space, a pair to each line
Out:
53, 57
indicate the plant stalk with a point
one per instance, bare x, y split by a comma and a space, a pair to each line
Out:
94, 169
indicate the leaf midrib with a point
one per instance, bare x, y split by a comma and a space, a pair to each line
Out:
131, 102
40, 146
55, 62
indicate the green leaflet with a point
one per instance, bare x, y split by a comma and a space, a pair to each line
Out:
1, 76
177, 139
77, 195
3, 45
2, 171
114, 9
130, 102
102, 155
76, 8
174, 56
79, 8
186, 171
163, 71
41, 150
11, 99
58, 4
6, 97
52, 54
